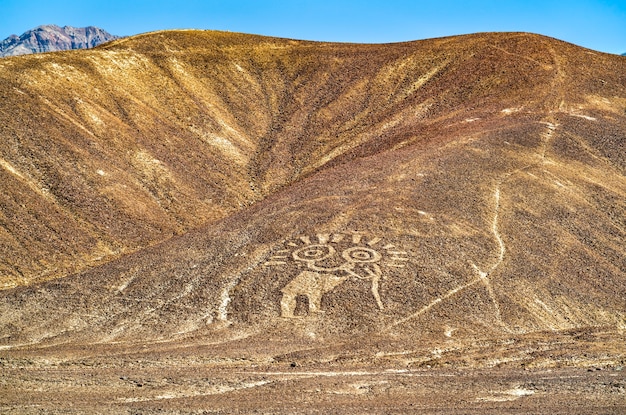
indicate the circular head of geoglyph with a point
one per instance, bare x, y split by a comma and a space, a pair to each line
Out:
314, 252
360, 254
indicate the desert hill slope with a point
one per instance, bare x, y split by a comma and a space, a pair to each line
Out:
462, 187
206, 222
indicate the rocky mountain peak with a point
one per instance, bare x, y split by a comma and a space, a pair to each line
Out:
52, 38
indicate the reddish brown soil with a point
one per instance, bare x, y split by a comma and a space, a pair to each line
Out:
241, 223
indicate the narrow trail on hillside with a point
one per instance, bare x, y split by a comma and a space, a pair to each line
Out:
485, 276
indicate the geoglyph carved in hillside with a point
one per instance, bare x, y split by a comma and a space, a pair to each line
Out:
329, 263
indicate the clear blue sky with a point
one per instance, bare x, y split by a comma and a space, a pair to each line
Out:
596, 24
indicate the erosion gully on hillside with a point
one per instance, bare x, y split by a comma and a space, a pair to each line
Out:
206, 222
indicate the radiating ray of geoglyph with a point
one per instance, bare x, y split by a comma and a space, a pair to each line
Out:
329, 263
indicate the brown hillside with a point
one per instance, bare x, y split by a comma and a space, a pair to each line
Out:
118, 148
456, 202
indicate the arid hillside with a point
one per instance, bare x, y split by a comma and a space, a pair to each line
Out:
455, 202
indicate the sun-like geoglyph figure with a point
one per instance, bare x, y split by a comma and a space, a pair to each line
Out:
331, 259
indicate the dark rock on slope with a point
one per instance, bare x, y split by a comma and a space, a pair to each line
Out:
52, 38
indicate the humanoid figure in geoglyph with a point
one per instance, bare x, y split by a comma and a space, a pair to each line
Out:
319, 279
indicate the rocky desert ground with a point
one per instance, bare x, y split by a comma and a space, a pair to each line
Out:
206, 222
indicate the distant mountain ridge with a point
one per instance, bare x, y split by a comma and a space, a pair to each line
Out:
52, 38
